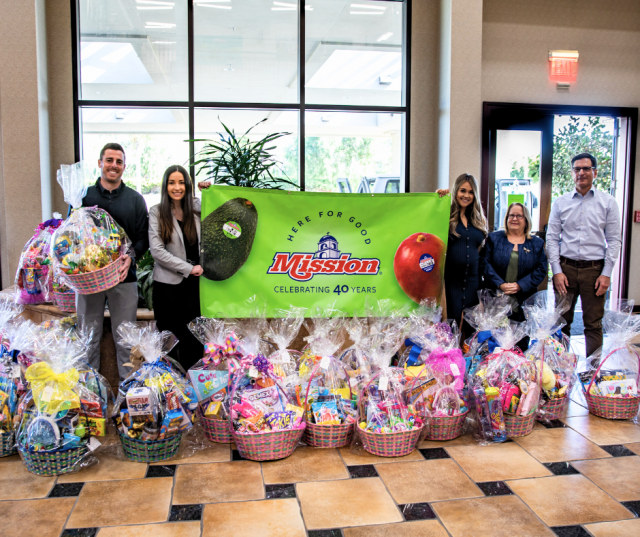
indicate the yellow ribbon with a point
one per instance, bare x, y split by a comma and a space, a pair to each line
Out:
53, 392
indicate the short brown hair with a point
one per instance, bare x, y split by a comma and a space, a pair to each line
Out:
114, 147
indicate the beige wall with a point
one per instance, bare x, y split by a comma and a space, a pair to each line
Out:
517, 36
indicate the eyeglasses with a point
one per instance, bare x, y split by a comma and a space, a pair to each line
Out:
515, 216
585, 169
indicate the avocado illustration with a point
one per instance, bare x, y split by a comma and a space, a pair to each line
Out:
227, 238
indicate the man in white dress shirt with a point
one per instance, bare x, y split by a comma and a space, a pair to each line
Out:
583, 243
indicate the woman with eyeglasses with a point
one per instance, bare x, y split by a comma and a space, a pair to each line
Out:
515, 261
467, 232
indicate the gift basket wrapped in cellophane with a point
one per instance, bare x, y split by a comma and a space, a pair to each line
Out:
63, 296
388, 424
492, 312
265, 422
88, 249
544, 324
33, 282
63, 415
610, 382
10, 376
325, 391
437, 389
504, 389
281, 332
155, 404
210, 375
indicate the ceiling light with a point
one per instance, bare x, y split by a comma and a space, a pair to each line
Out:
308, 8
367, 6
213, 5
159, 25
156, 2
163, 42
325, 119
154, 7
384, 37
366, 13
385, 80
119, 115
285, 4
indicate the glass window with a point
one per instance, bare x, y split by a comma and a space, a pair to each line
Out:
133, 50
353, 152
153, 139
246, 51
209, 122
354, 53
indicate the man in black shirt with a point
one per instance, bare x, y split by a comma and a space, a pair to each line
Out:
129, 210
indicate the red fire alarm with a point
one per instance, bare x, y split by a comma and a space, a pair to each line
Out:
563, 65
636, 217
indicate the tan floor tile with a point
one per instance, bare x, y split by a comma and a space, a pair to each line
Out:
109, 468
268, 518
427, 481
172, 529
9, 459
567, 500
362, 457
339, 504
561, 444
44, 518
306, 464
498, 516
615, 529
635, 447
575, 409
16, 483
417, 528
464, 440
213, 453
119, 503
218, 482
617, 476
497, 462
604, 432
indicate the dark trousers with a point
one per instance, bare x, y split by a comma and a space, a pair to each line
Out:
175, 306
582, 283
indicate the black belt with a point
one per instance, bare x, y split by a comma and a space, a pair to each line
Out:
582, 264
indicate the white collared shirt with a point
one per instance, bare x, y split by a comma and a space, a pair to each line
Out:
584, 228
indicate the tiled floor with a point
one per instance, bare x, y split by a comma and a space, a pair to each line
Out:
579, 477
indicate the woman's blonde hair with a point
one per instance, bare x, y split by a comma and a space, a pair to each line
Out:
476, 217
527, 219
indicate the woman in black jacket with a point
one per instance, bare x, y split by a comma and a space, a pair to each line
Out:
467, 232
515, 261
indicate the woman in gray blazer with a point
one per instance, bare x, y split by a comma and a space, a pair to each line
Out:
174, 241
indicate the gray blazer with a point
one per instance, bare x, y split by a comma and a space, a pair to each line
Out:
171, 259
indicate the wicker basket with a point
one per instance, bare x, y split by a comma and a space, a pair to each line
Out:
65, 301
519, 425
268, 446
553, 409
445, 428
214, 429
89, 283
51, 463
7, 444
612, 408
390, 444
328, 436
150, 451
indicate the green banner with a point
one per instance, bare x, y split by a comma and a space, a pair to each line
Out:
313, 249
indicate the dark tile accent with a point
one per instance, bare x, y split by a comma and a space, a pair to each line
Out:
165, 470
495, 488
634, 507
570, 531
553, 424
363, 470
508, 440
181, 513
325, 533
63, 490
561, 468
281, 491
417, 511
235, 455
434, 453
81, 532
618, 450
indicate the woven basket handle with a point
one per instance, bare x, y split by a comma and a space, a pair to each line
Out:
603, 361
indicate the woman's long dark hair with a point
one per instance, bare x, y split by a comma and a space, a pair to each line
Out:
188, 212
